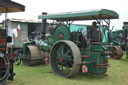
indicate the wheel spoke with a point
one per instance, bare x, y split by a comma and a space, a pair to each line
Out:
68, 69
62, 49
58, 53
69, 50
2, 71
70, 58
60, 67
57, 62
57, 57
2, 67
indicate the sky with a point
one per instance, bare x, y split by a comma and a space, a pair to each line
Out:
34, 8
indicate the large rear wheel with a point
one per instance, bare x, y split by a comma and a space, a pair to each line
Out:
65, 58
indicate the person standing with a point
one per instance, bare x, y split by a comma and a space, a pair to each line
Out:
94, 33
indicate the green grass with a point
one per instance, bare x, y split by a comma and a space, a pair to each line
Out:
42, 75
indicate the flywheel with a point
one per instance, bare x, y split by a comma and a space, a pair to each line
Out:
65, 58
61, 32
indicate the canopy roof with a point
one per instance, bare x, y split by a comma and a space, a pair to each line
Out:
10, 6
82, 15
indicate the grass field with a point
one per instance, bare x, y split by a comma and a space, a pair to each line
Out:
42, 75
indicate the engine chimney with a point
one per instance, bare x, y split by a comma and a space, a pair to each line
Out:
44, 26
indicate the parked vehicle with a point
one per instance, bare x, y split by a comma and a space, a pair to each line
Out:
72, 50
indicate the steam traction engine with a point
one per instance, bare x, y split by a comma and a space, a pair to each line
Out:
69, 48
6, 58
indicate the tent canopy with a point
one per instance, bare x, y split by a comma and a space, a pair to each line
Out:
8, 6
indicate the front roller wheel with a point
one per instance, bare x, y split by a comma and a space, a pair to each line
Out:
65, 58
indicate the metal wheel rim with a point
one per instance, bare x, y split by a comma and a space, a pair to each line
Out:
74, 60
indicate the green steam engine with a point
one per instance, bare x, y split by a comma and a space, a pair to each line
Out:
71, 48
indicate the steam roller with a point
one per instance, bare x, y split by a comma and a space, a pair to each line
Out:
34, 53
117, 53
33, 56
118, 44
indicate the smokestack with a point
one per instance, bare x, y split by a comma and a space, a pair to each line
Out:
44, 26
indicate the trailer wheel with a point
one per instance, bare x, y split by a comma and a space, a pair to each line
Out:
65, 58
17, 56
4, 68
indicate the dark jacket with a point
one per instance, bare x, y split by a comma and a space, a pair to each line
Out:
94, 33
